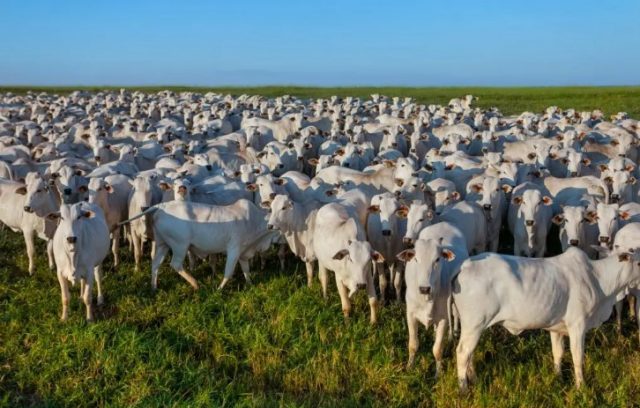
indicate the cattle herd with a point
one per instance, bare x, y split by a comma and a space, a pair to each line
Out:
419, 203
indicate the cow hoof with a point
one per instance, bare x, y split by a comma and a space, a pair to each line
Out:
100, 300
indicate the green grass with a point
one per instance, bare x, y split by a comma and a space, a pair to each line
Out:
278, 342
509, 100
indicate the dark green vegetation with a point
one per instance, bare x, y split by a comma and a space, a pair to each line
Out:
509, 100
278, 342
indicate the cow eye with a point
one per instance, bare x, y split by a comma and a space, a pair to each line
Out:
421, 219
438, 259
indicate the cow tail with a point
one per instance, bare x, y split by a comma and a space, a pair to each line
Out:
149, 211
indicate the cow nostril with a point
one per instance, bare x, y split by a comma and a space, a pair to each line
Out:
27, 208
97, 158
72, 240
487, 207
361, 286
425, 290
574, 242
413, 150
529, 223
386, 233
604, 239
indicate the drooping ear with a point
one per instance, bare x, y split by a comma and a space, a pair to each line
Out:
341, 254
558, 219
402, 211
279, 181
399, 182
546, 200
407, 255
21, 190
632, 180
506, 188
629, 167
252, 187
374, 209
377, 257
516, 200
448, 254
83, 189
624, 215
164, 185
476, 188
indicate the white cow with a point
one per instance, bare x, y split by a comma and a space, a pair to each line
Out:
567, 295
529, 220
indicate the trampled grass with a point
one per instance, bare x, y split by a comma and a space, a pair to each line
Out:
278, 342
510, 100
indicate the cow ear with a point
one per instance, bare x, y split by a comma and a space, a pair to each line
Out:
586, 162
21, 190
313, 162
164, 185
629, 167
407, 255
236, 173
516, 200
614, 142
399, 182
53, 216
257, 171
476, 188
280, 181
608, 180
624, 215
389, 163
402, 211
374, 209
252, 187
547, 200
558, 219
506, 188
455, 195
108, 188
448, 254
632, 180
591, 217
624, 257
377, 257
88, 214
603, 167
341, 254
83, 189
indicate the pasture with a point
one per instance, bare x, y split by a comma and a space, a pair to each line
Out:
277, 342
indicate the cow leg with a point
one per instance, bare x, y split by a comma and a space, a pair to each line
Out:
373, 300
50, 254
86, 297
64, 290
177, 263
441, 328
229, 267
192, 260
31, 250
213, 259
137, 251
282, 255
322, 275
412, 324
153, 248
379, 269
464, 353
115, 246
637, 310
344, 298
82, 284
97, 272
576, 341
309, 266
397, 281
161, 252
557, 348
618, 307
244, 265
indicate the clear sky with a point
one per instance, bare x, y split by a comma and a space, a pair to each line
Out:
322, 42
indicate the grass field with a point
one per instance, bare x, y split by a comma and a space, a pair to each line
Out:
278, 342
509, 100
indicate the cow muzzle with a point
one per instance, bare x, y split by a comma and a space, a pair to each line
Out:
72, 240
615, 198
27, 209
425, 290
487, 207
386, 233
604, 240
574, 242
408, 242
529, 223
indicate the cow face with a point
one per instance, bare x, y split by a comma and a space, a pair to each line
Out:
356, 259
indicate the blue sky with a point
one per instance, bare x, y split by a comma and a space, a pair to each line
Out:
323, 42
